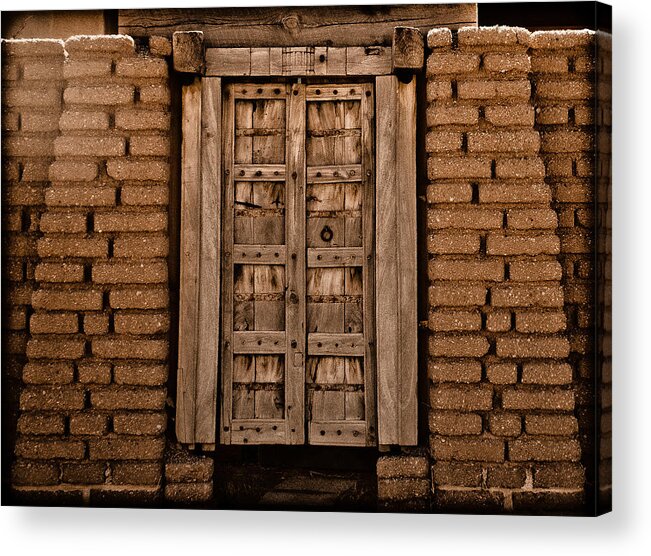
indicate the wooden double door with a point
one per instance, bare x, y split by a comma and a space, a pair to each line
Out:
298, 252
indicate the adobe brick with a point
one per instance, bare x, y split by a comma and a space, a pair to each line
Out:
497, 35
194, 493
449, 193
552, 425
464, 370
93, 372
27, 146
141, 323
540, 322
48, 69
537, 449
10, 121
128, 398
448, 269
559, 166
527, 271
105, 95
502, 476
141, 67
37, 97
546, 373
438, 115
32, 47
506, 62
124, 473
402, 489
566, 141
458, 346
530, 346
96, 324
136, 119
19, 246
34, 473
151, 272
19, 294
141, 246
476, 219
502, 373
51, 398
83, 473
41, 424
39, 121
467, 449
584, 115
73, 300
54, 323
119, 347
518, 168
73, 247
66, 170
451, 423
549, 63
88, 424
451, 62
155, 94
498, 321
140, 423
552, 115
456, 474
100, 44
453, 243
149, 145
552, 399
35, 171
16, 318
137, 195
527, 219
503, 141
72, 120
560, 39
139, 299
554, 502
485, 90
511, 116
68, 145
55, 222
578, 192
439, 37
505, 424
457, 295
51, 348
388, 467
558, 475
138, 170
131, 222
514, 193
564, 90
126, 448
447, 321
76, 69
50, 449
438, 90
498, 244
58, 372
441, 141
140, 374
461, 397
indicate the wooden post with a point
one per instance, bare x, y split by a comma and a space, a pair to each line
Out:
188, 52
408, 49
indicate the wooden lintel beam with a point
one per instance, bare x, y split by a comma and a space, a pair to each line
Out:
408, 49
188, 52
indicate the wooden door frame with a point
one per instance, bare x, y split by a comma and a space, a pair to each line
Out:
394, 70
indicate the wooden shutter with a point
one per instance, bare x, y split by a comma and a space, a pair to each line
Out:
200, 262
397, 320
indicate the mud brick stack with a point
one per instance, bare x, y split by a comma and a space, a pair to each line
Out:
189, 478
503, 420
92, 419
404, 482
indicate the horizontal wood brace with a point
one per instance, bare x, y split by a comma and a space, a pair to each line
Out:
334, 174
334, 214
259, 254
259, 131
259, 386
258, 212
334, 132
338, 433
258, 431
333, 92
335, 257
336, 344
259, 342
266, 91
334, 298
259, 172
335, 387
259, 296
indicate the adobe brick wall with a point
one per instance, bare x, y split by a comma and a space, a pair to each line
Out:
87, 191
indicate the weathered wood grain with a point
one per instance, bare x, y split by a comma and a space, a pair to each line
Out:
188, 51
408, 49
287, 26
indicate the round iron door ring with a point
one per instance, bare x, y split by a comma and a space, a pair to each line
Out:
327, 234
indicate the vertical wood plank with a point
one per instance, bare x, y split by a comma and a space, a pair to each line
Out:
295, 238
406, 255
189, 264
209, 266
228, 125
